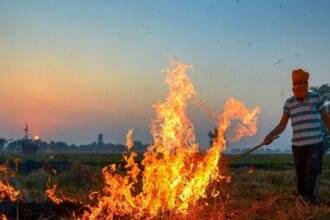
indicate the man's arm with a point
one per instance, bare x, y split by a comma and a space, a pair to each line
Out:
278, 129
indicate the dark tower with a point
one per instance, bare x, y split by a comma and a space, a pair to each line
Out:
26, 132
100, 140
28, 146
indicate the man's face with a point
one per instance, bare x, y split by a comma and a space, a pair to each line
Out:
300, 89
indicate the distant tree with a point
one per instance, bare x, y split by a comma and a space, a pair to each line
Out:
58, 146
139, 147
73, 147
43, 146
322, 90
15, 145
3, 141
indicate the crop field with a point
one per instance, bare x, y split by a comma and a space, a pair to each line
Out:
260, 186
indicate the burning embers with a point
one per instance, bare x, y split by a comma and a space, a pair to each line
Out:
173, 175
6, 191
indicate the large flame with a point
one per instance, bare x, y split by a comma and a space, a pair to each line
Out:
173, 175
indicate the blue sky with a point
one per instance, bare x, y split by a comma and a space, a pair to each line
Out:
73, 69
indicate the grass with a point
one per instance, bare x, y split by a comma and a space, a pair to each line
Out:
262, 186
272, 193
270, 161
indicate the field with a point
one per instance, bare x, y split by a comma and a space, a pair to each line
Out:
261, 186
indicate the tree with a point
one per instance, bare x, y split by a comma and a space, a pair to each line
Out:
15, 145
2, 143
322, 90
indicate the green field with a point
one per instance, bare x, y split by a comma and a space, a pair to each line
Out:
262, 186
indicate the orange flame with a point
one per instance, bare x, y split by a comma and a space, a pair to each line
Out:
247, 119
175, 175
56, 196
6, 191
3, 217
51, 194
129, 139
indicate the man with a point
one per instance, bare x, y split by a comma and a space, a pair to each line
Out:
307, 112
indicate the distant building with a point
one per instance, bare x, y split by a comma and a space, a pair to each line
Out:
100, 140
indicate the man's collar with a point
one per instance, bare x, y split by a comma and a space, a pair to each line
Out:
309, 94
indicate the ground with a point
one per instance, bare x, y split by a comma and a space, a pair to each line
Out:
261, 186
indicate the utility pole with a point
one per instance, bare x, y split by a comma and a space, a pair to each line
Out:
26, 131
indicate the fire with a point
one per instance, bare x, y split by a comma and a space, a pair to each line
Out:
129, 139
247, 119
51, 194
56, 196
173, 175
6, 191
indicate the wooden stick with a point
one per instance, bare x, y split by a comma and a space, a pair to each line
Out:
251, 150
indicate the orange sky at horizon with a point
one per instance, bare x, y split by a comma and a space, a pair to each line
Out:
50, 98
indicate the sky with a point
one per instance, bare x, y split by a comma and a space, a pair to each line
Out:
73, 69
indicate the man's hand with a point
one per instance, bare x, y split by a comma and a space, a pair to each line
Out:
277, 130
268, 139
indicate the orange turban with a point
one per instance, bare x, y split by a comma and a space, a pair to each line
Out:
299, 75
